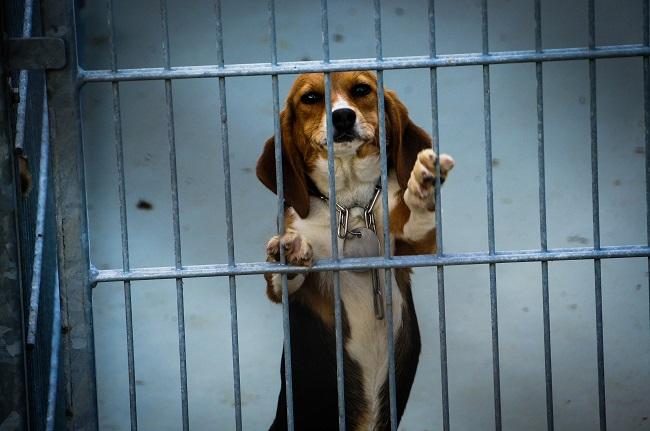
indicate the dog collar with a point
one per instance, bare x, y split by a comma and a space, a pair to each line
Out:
343, 214
370, 234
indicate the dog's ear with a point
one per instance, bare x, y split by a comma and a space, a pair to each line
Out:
294, 173
405, 139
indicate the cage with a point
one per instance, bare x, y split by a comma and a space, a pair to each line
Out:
533, 315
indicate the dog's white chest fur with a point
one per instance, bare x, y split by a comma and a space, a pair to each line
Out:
368, 336
367, 344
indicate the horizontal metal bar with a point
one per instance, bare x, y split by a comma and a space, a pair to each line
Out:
217, 270
449, 60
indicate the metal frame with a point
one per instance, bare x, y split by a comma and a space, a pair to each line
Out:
78, 356
31, 313
77, 274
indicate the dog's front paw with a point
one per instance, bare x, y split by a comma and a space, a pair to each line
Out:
297, 251
420, 194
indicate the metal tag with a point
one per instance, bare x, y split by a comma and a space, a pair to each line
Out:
363, 242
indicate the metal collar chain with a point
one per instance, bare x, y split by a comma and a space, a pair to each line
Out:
364, 240
343, 215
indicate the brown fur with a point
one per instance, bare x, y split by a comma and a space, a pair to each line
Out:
25, 175
300, 132
398, 218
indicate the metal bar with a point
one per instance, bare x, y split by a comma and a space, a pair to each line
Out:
78, 355
440, 270
347, 264
392, 388
223, 116
23, 81
53, 383
490, 218
43, 179
28, 15
338, 327
171, 135
338, 318
646, 112
177, 256
231, 250
548, 373
119, 152
593, 117
388, 63
286, 325
21, 110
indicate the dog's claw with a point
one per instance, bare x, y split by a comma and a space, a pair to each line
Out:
421, 185
297, 251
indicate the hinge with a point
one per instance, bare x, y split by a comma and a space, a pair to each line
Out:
35, 53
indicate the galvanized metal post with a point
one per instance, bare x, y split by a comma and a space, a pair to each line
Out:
68, 175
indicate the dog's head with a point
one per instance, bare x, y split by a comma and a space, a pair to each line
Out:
355, 123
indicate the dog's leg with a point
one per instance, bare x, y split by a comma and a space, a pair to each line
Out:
414, 212
297, 251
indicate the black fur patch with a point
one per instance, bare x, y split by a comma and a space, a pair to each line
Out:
407, 354
313, 360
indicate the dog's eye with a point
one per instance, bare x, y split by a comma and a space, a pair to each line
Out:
360, 90
311, 97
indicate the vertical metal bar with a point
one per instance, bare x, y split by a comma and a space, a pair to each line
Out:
646, 109
171, 135
43, 179
119, 151
72, 230
384, 198
223, 115
23, 81
593, 116
231, 252
490, 215
28, 15
286, 326
21, 110
19, 142
542, 219
440, 269
53, 383
338, 319
325, 35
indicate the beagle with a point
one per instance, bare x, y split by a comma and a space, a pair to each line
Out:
307, 238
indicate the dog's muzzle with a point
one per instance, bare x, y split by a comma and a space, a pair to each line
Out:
344, 120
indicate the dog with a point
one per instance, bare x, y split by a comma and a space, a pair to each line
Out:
307, 238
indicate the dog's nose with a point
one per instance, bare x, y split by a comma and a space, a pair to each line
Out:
343, 119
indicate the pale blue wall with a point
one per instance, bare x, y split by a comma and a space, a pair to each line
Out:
625, 283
